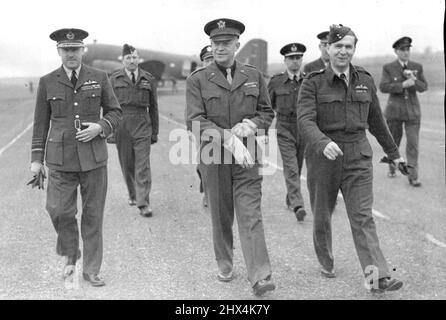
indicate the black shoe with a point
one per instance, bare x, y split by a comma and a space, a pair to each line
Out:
414, 182
94, 279
226, 277
145, 211
328, 273
263, 286
132, 202
300, 213
387, 284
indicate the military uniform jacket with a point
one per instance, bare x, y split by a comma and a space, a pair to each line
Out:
315, 65
283, 93
57, 105
403, 104
216, 104
141, 95
329, 110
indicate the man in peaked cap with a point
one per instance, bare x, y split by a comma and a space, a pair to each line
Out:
206, 55
228, 101
135, 89
335, 107
324, 59
283, 89
402, 79
69, 135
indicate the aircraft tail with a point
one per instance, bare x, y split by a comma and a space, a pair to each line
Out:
255, 52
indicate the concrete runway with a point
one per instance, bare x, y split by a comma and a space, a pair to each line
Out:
170, 256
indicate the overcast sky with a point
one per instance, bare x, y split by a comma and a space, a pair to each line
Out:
177, 25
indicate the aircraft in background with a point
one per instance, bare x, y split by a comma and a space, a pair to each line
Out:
169, 66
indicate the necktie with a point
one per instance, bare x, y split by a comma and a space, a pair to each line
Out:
404, 66
73, 78
295, 78
229, 75
343, 78
133, 78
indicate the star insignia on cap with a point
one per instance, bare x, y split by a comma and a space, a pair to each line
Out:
294, 48
221, 24
208, 49
70, 35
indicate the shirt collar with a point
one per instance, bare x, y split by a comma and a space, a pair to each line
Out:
291, 75
346, 72
403, 63
69, 71
129, 73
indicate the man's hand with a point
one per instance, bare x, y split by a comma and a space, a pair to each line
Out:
35, 167
153, 139
239, 151
332, 151
408, 83
89, 133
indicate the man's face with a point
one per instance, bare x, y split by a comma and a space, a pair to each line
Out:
131, 61
403, 54
293, 63
224, 50
71, 57
323, 45
207, 61
341, 52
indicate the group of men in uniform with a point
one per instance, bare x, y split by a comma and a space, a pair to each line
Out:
323, 111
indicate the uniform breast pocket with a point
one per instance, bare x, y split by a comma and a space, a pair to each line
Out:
91, 103
122, 94
361, 103
57, 101
251, 97
144, 95
330, 109
213, 103
283, 101
54, 148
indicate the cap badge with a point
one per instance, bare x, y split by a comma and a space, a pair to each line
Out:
70, 35
208, 49
221, 24
294, 48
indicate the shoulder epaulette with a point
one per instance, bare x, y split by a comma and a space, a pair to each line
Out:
249, 65
313, 73
278, 74
361, 69
197, 70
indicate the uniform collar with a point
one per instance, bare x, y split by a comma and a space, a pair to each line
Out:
129, 73
69, 71
352, 73
291, 75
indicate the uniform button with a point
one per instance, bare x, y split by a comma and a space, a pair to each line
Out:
76, 116
93, 95
75, 91
54, 98
75, 103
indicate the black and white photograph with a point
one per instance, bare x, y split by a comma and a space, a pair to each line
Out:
215, 150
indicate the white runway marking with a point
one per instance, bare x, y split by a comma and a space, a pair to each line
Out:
434, 241
15, 139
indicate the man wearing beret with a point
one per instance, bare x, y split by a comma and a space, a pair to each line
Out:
229, 102
135, 89
335, 107
283, 89
70, 133
323, 61
403, 78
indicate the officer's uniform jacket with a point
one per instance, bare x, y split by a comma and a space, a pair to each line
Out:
283, 93
328, 110
216, 104
403, 104
315, 65
58, 105
141, 96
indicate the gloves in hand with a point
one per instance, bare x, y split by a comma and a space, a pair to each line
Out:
39, 175
239, 151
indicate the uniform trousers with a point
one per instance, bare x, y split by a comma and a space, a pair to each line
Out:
133, 145
61, 205
412, 128
351, 173
229, 187
291, 148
